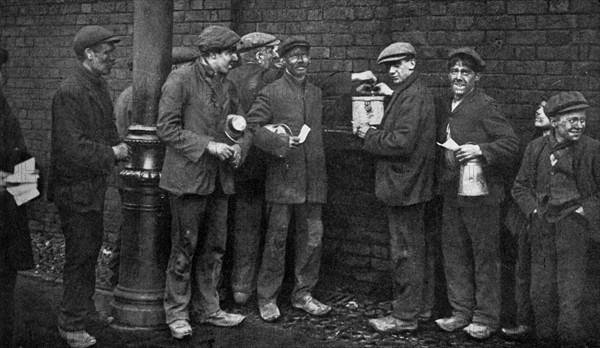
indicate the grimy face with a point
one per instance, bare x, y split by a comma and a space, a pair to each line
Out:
296, 62
101, 58
541, 120
400, 70
462, 79
223, 61
569, 126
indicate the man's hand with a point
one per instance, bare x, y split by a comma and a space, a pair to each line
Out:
467, 152
366, 75
221, 150
384, 89
294, 141
236, 159
361, 131
121, 151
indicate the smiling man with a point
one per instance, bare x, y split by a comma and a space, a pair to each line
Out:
557, 188
198, 175
470, 224
85, 147
404, 145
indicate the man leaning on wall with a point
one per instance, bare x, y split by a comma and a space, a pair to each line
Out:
85, 148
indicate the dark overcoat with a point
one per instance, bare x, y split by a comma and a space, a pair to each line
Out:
477, 120
83, 134
405, 146
297, 175
15, 242
586, 163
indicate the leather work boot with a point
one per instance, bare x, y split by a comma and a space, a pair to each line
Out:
479, 331
77, 339
519, 332
224, 319
269, 312
180, 328
452, 323
311, 306
392, 325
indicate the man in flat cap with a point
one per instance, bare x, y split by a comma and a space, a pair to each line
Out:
123, 119
477, 137
85, 148
296, 181
405, 147
198, 175
558, 189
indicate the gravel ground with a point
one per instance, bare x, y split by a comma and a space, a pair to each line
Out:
346, 326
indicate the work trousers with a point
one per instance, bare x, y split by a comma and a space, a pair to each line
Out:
307, 244
248, 233
198, 237
523, 279
83, 233
558, 277
8, 280
471, 248
412, 263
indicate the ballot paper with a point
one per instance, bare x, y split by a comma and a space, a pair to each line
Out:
450, 144
22, 184
303, 133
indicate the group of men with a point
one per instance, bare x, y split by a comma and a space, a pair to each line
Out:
276, 171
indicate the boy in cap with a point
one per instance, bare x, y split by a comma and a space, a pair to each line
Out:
405, 139
198, 175
558, 189
471, 223
85, 148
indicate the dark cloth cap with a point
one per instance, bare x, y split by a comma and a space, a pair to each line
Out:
214, 38
565, 102
91, 35
183, 54
290, 42
396, 51
256, 40
468, 51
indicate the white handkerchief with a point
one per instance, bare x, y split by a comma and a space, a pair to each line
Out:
450, 145
23, 193
303, 133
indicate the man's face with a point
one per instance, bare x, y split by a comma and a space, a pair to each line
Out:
101, 59
296, 62
401, 69
462, 80
569, 126
266, 57
223, 61
541, 120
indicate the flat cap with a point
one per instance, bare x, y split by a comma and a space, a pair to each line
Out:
396, 51
565, 102
91, 35
256, 40
217, 37
290, 42
183, 54
468, 51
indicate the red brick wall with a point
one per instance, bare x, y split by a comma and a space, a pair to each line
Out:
531, 47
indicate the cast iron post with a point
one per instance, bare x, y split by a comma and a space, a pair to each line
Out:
145, 239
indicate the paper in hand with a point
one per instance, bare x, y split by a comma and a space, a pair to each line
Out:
450, 144
303, 133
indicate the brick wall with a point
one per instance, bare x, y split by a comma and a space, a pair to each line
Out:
532, 47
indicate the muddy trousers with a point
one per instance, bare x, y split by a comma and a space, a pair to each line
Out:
307, 244
412, 263
558, 277
83, 239
471, 248
198, 237
248, 234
